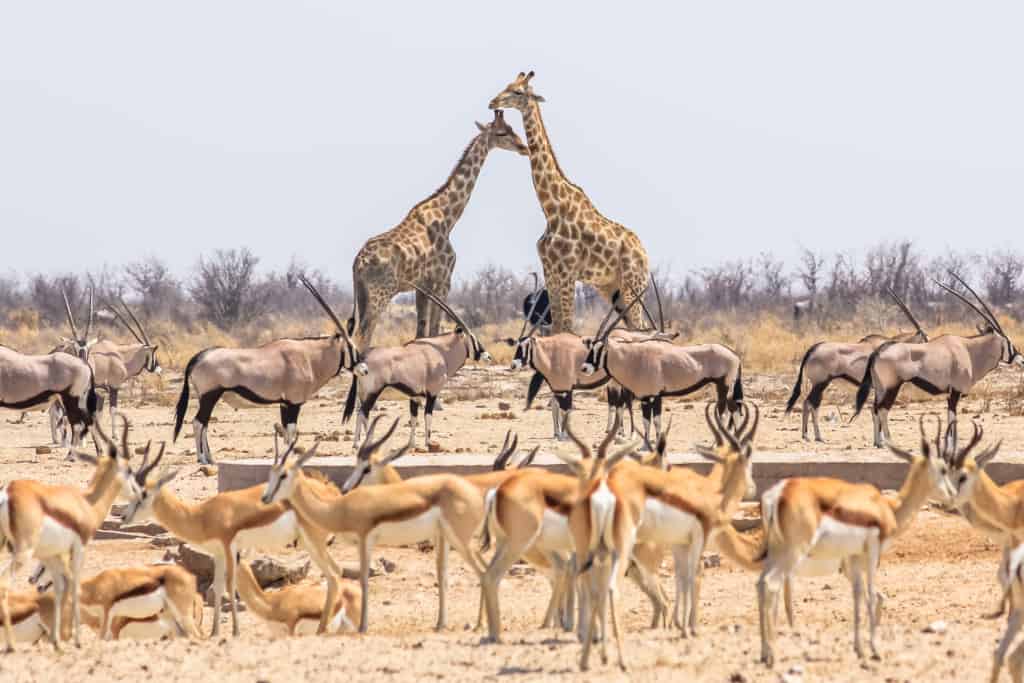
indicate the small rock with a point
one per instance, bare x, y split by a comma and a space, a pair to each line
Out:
163, 541
145, 528
43, 450
504, 405
387, 565
937, 627
522, 570
737, 677
425, 546
712, 561
433, 447
199, 562
207, 470
268, 571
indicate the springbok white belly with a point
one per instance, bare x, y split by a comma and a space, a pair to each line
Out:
147, 629
279, 533
30, 629
140, 606
54, 538
837, 540
819, 566
554, 533
307, 627
668, 525
422, 527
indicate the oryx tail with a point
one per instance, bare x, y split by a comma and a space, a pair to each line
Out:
865, 384
800, 378
350, 400
179, 414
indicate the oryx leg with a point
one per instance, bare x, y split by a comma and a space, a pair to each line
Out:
441, 557
884, 405
113, 408
811, 405
414, 413
428, 416
646, 409
656, 414
614, 408
564, 401
290, 420
200, 424
951, 404
556, 421
58, 432
363, 417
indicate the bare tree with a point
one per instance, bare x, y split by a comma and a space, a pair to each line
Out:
159, 294
774, 286
226, 289
44, 294
810, 271
1002, 277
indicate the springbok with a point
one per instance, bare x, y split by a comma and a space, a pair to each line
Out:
415, 510
53, 524
828, 361
116, 364
297, 610
419, 369
32, 615
652, 369
818, 525
225, 524
285, 372
949, 364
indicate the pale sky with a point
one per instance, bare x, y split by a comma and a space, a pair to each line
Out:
714, 130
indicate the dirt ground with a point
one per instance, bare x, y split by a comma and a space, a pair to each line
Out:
940, 570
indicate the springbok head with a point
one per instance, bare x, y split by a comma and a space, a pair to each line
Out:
79, 344
146, 485
734, 446
965, 468
501, 135
139, 332
475, 350
111, 453
517, 95
1009, 353
349, 357
285, 471
936, 454
370, 456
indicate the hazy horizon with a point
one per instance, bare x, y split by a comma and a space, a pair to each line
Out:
715, 131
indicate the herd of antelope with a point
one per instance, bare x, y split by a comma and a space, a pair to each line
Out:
615, 516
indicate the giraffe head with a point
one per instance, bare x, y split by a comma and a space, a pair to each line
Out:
501, 135
517, 95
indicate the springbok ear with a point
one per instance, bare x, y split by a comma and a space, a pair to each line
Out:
574, 462
906, 456
709, 454
395, 454
983, 459
308, 455
86, 457
166, 478
537, 98
482, 127
528, 460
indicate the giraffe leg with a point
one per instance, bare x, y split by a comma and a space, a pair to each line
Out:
562, 293
440, 289
424, 311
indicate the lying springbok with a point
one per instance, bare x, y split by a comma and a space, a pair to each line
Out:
225, 524
420, 369
285, 372
652, 369
419, 509
53, 524
818, 525
296, 610
115, 364
32, 615
949, 365
144, 601
828, 361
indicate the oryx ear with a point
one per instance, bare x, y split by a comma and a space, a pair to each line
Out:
510, 341
459, 330
708, 453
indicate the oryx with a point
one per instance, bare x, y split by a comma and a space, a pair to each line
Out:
33, 381
827, 361
556, 360
419, 369
115, 364
284, 372
949, 364
653, 368
537, 305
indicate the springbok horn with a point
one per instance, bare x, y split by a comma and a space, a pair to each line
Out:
369, 447
711, 425
71, 317
584, 448
991, 315
602, 451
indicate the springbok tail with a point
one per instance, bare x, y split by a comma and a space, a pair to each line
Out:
800, 378
489, 519
865, 383
350, 400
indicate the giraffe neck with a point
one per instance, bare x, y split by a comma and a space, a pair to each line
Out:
452, 197
547, 174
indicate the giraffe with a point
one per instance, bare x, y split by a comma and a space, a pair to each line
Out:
579, 244
418, 250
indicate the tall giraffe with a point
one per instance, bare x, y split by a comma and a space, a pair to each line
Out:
579, 243
418, 250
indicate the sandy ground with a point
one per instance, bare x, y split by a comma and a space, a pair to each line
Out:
940, 570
